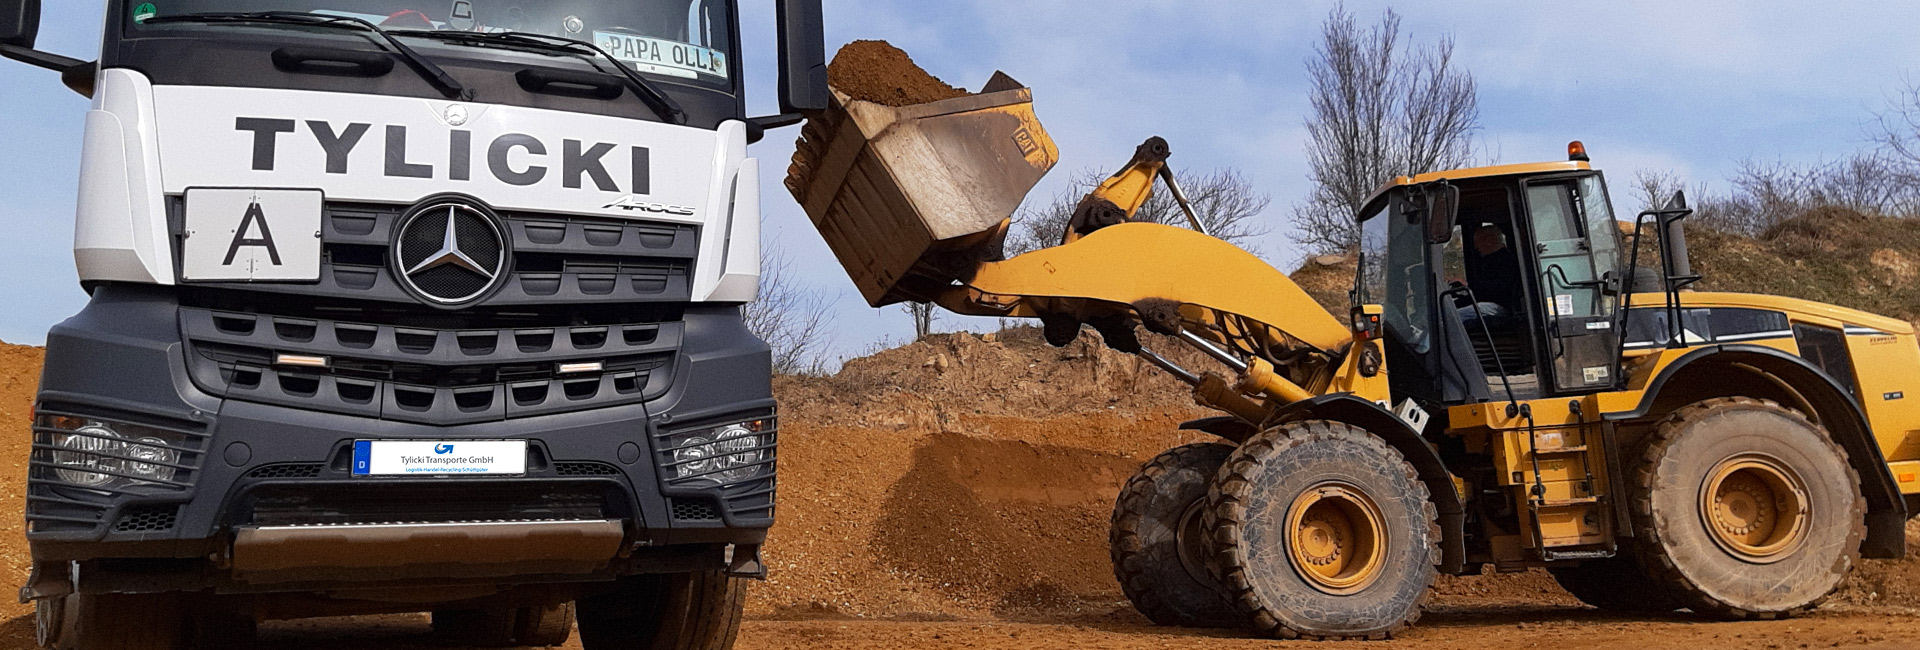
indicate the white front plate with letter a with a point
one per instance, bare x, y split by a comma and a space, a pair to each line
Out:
252, 236
439, 457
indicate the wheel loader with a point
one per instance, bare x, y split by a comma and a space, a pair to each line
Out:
1524, 380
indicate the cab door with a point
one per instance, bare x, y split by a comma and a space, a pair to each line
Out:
1576, 248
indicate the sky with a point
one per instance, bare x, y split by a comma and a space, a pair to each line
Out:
1692, 88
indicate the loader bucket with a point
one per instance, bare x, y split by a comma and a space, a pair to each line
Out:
912, 198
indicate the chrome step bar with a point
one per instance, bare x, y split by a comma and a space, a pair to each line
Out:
463, 549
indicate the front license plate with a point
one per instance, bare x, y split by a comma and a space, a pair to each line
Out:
439, 457
252, 236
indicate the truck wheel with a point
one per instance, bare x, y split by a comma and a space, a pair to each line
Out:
49, 620
1746, 509
544, 626
1320, 530
1158, 544
689, 611
488, 628
1617, 584
223, 631
500, 628
122, 622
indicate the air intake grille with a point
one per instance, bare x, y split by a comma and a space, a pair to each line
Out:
585, 469
147, 518
287, 470
693, 510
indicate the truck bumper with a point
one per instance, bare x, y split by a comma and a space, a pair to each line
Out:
259, 482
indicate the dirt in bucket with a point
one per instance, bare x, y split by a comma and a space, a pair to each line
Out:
878, 72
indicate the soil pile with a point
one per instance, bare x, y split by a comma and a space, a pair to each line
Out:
1831, 255
1328, 278
878, 72
19, 379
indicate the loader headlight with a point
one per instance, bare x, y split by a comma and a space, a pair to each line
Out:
724, 455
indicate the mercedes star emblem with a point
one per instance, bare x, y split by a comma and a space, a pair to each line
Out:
450, 253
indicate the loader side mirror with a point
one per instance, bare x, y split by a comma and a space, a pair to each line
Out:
1443, 201
19, 22
803, 55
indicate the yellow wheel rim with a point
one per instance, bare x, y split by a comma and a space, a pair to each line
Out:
1755, 507
1336, 538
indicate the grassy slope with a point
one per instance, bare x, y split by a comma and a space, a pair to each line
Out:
1832, 256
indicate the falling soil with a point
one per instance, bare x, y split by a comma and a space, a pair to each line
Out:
878, 72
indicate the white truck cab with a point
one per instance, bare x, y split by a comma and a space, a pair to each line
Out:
403, 305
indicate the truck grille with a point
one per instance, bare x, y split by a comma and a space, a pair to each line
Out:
589, 317
556, 259
427, 375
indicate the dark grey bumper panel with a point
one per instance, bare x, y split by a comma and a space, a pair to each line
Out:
249, 463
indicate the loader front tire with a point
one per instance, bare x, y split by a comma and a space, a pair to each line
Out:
1321, 530
1746, 509
1158, 542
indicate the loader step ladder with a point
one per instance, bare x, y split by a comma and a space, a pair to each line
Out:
1567, 509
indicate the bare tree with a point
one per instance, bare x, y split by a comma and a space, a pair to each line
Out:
922, 314
791, 318
1223, 200
1653, 189
1899, 122
1381, 109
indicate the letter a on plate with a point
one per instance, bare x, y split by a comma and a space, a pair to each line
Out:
252, 236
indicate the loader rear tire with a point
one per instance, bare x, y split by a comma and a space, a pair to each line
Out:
1321, 530
1158, 542
1747, 510
1617, 584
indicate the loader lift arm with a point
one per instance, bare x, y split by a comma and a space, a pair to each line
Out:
1119, 198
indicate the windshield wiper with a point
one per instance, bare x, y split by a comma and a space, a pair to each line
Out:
426, 67
662, 105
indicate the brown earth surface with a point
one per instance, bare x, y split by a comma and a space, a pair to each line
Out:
954, 493
878, 72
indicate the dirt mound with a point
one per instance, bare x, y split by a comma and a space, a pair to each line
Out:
878, 72
19, 379
1830, 255
1328, 278
932, 382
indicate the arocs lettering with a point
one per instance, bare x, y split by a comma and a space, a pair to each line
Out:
512, 158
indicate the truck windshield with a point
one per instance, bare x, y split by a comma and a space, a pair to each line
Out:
690, 40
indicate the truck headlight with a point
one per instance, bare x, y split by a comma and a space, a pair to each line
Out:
154, 460
724, 455
87, 448
90, 453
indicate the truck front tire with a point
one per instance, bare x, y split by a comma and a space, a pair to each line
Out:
688, 611
118, 622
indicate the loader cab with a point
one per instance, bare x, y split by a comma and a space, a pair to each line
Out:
1496, 282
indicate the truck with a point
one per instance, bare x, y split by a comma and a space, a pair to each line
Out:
401, 306
1523, 380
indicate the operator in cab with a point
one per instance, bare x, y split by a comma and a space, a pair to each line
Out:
1492, 274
